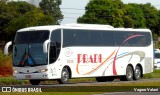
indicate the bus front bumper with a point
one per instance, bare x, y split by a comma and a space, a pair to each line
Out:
38, 76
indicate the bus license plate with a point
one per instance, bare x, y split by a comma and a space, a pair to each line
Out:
27, 76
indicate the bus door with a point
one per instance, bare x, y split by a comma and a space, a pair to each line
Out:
52, 52
55, 45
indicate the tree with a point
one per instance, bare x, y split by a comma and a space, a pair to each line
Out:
51, 7
135, 14
6, 14
12, 10
21, 7
104, 12
152, 17
31, 18
128, 22
17, 15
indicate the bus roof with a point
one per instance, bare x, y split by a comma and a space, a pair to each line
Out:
88, 26
80, 26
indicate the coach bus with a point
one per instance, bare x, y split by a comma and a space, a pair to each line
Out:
62, 52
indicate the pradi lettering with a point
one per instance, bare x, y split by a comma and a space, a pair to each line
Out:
92, 58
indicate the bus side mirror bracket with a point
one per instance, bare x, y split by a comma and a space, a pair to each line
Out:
6, 48
45, 46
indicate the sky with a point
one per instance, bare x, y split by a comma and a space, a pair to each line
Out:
72, 9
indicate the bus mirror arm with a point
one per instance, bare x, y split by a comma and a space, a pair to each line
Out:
6, 48
45, 46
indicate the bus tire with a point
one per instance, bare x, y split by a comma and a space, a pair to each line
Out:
137, 73
34, 82
64, 76
129, 74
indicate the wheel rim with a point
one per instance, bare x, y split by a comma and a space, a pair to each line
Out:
129, 74
137, 73
65, 76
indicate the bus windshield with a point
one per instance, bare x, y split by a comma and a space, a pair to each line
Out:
31, 37
28, 48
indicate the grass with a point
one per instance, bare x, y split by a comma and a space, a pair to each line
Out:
11, 81
154, 74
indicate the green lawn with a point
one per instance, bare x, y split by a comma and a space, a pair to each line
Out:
154, 74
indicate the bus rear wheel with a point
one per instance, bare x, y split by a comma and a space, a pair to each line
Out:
137, 73
64, 76
34, 82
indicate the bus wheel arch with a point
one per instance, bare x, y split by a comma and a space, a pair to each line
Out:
65, 75
129, 73
138, 72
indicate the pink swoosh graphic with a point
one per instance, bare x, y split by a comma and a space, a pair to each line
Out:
77, 67
114, 60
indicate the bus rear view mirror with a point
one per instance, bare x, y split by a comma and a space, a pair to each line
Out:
6, 48
45, 46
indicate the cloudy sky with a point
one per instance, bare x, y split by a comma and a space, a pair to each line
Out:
72, 9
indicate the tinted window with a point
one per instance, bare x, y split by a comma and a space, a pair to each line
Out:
132, 38
56, 37
105, 38
31, 37
82, 38
88, 38
101, 38
69, 38
76, 37
55, 45
95, 38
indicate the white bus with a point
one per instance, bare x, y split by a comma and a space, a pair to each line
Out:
69, 51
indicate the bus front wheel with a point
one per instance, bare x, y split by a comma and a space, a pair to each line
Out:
64, 76
34, 82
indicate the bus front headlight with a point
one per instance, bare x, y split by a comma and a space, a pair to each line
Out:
15, 72
43, 70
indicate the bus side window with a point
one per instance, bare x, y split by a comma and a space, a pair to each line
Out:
53, 53
55, 45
